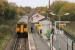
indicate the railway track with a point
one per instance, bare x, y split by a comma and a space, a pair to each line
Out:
21, 44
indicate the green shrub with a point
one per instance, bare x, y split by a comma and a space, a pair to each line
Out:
48, 33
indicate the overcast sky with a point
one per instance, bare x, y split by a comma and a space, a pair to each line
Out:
33, 3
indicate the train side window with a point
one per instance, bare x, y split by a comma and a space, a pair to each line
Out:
25, 26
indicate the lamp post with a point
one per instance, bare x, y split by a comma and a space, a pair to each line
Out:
59, 32
52, 31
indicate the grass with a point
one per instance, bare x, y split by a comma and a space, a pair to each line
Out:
3, 40
70, 27
6, 32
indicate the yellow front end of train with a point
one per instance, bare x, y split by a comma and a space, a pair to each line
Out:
22, 30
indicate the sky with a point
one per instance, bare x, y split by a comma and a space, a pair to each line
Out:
33, 3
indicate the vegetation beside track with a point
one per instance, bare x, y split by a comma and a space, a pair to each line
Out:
6, 32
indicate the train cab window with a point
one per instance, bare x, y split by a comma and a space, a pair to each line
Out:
17, 28
25, 26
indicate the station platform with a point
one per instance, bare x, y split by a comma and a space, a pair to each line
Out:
37, 43
31, 42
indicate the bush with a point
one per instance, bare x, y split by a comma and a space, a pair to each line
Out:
48, 33
4, 28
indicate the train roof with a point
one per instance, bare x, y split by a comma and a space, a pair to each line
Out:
21, 23
24, 19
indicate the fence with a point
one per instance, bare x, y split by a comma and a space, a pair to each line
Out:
62, 41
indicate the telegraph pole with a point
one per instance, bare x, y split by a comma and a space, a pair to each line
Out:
49, 10
49, 4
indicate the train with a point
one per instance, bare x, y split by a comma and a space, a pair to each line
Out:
22, 28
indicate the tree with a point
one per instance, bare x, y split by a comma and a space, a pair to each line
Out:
62, 7
10, 13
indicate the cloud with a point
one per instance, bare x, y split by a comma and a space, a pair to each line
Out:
33, 3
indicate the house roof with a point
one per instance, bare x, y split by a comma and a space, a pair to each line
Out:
36, 17
44, 19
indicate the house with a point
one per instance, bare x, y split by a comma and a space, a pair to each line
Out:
41, 22
35, 21
36, 17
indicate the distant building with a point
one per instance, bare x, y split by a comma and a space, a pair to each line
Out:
36, 17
